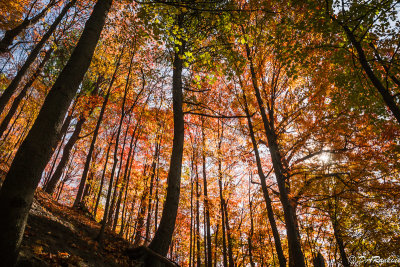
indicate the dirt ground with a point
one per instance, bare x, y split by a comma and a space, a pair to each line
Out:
57, 235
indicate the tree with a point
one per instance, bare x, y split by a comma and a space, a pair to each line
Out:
16, 194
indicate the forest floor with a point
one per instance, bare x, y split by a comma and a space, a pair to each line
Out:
58, 235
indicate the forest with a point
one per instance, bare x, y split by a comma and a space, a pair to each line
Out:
200, 133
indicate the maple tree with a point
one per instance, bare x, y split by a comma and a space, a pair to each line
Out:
221, 133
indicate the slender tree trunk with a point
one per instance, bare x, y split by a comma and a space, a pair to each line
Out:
296, 257
142, 212
224, 247
206, 204
82, 182
216, 246
55, 178
125, 179
14, 106
102, 178
383, 91
11, 34
191, 223
10, 90
337, 232
228, 235
250, 237
163, 235
197, 214
61, 136
152, 176
127, 173
270, 212
117, 182
16, 194
51, 185
106, 210
13, 123
221, 196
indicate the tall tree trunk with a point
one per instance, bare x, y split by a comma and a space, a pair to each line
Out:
106, 209
55, 178
197, 213
126, 175
163, 235
268, 202
251, 234
206, 204
152, 176
296, 257
117, 182
11, 34
61, 136
191, 223
337, 231
14, 106
82, 182
16, 194
228, 235
10, 90
221, 195
141, 213
102, 177
51, 185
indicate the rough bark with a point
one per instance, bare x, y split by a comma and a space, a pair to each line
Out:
16, 194
296, 257
268, 202
163, 235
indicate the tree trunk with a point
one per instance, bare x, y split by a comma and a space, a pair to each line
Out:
82, 183
141, 213
51, 185
16, 194
128, 173
55, 178
268, 202
61, 136
10, 90
250, 237
22, 94
385, 93
296, 257
222, 201
163, 235
191, 223
117, 182
152, 176
125, 179
197, 214
106, 210
206, 204
11, 34
102, 178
